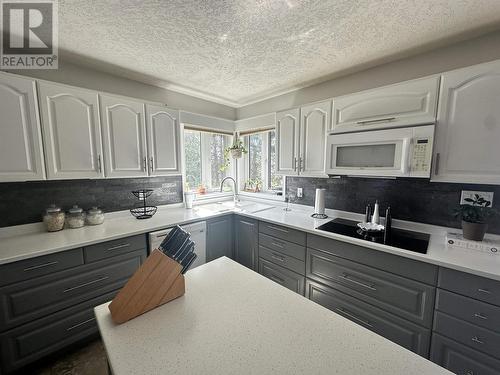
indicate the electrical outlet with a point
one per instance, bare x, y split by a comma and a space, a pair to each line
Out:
300, 193
487, 195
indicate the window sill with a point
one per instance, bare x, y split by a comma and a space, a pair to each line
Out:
263, 195
213, 196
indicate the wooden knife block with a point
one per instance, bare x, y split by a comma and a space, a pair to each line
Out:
157, 281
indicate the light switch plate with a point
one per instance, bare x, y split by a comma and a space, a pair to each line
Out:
300, 193
488, 195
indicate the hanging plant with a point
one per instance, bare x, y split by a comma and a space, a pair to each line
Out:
236, 151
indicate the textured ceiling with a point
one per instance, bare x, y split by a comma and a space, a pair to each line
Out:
240, 51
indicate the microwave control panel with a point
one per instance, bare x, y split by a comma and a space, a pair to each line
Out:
421, 156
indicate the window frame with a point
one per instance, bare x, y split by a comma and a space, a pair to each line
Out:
244, 167
206, 172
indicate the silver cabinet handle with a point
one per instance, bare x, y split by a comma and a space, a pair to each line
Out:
151, 164
38, 266
99, 164
279, 280
436, 167
123, 245
86, 284
278, 257
485, 291
300, 164
352, 316
294, 164
476, 340
247, 223
367, 122
480, 316
349, 278
144, 162
280, 245
277, 228
80, 324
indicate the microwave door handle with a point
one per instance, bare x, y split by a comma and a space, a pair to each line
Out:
405, 163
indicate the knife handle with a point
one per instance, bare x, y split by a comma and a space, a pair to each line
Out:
188, 264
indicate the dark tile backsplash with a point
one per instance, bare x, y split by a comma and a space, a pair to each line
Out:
24, 202
410, 199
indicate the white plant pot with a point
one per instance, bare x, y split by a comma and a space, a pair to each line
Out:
236, 153
189, 198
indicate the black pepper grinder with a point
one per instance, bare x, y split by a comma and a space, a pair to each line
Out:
388, 224
368, 213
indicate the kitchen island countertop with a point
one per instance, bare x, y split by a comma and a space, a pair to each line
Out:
234, 321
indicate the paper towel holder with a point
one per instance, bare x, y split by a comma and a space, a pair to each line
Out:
319, 205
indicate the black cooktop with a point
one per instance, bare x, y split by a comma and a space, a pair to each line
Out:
403, 239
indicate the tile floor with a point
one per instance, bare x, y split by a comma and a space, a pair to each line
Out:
89, 360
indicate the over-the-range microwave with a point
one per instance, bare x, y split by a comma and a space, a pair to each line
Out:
400, 152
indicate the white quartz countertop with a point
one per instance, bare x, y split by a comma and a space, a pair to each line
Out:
234, 321
17, 244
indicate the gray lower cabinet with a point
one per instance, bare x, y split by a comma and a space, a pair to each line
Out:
282, 276
409, 299
220, 237
46, 303
246, 242
461, 359
405, 333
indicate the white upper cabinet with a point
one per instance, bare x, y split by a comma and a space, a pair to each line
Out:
287, 141
403, 104
71, 131
314, 122
467, 140
21, 156
163, 130
124, 137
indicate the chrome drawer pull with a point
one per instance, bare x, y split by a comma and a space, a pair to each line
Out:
277, 245
481, 316
40, 266
277, 228
346, 277
485, 291
246, 222
279, 280
278, 257
476, 340
86, 284
352, 316
118, 247
80, 324
375, 121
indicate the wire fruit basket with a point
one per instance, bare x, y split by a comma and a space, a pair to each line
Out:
144, 211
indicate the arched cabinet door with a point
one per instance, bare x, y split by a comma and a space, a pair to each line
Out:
287, 141
71, 131
315, 119
21, 156
468, 128
162, 129
124, 137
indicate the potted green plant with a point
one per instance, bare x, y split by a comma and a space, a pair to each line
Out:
236, 151
475, 217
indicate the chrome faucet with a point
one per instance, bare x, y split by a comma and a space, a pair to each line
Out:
235, 197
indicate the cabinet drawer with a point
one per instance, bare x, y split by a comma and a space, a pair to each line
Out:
284, 247
468, 334
407, 334
283, 233
39, 266
282, 276
408, 268
468, 309
283, 260
461, 360
32, 299
112, 248
27, 343
403, 297
477, 287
